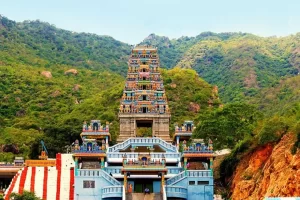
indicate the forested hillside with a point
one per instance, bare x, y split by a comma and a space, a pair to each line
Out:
51, 80
239, 64
47, 92
258, 80
29, 40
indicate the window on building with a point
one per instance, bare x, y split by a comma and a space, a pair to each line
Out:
88, 184
203, 182
191, 182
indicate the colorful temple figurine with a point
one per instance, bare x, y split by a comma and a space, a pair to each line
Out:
210, 145
183, 132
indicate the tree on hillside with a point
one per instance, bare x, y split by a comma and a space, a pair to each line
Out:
227, 126
25, 196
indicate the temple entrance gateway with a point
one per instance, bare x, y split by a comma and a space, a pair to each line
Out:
144, 128
149, 100
141, 184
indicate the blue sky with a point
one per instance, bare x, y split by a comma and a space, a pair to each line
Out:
132, 20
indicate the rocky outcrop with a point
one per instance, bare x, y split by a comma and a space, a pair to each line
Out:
71, 71
173, 85
295, 58
251, 80
9, 148
194, 107
269, 171
46, 74
55, 93
21, 113
76, 87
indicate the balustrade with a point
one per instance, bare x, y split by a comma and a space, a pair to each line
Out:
199, 173
112, 191
130, 155
195, 150
175, 178
113, 170
98, 173
100, 129
189, 173
146, 141
88, 151
174, 170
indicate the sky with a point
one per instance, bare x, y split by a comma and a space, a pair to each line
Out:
131, 21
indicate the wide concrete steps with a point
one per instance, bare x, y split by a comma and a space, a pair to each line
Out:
142, 196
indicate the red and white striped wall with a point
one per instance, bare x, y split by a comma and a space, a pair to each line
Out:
48, 183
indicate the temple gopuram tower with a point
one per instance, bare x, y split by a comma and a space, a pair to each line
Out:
144, 106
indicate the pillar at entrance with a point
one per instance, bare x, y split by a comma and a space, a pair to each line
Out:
177, 142
76, 166
185, 163
125, 181
162, 182
102, 162
211, 163
106, 142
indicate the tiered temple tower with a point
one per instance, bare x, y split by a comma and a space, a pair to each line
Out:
144, 102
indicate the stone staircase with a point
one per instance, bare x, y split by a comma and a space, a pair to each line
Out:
142, 196
140, 141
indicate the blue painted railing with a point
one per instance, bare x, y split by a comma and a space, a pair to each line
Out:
117, 170
86, 151
176, 191
198, 151
176, 178
174, 170
112, 191
189, 173
113, 170
98, 173
145, 141
136, 155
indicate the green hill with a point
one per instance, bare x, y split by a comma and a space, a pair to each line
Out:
280, 98
239, 64
51, 80
30, 40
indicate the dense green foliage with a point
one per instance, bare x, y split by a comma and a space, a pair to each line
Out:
229, 125
280, 98
240, 64
247, 69
184, 86
267, 131
25, 196
30, 40
34, 107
